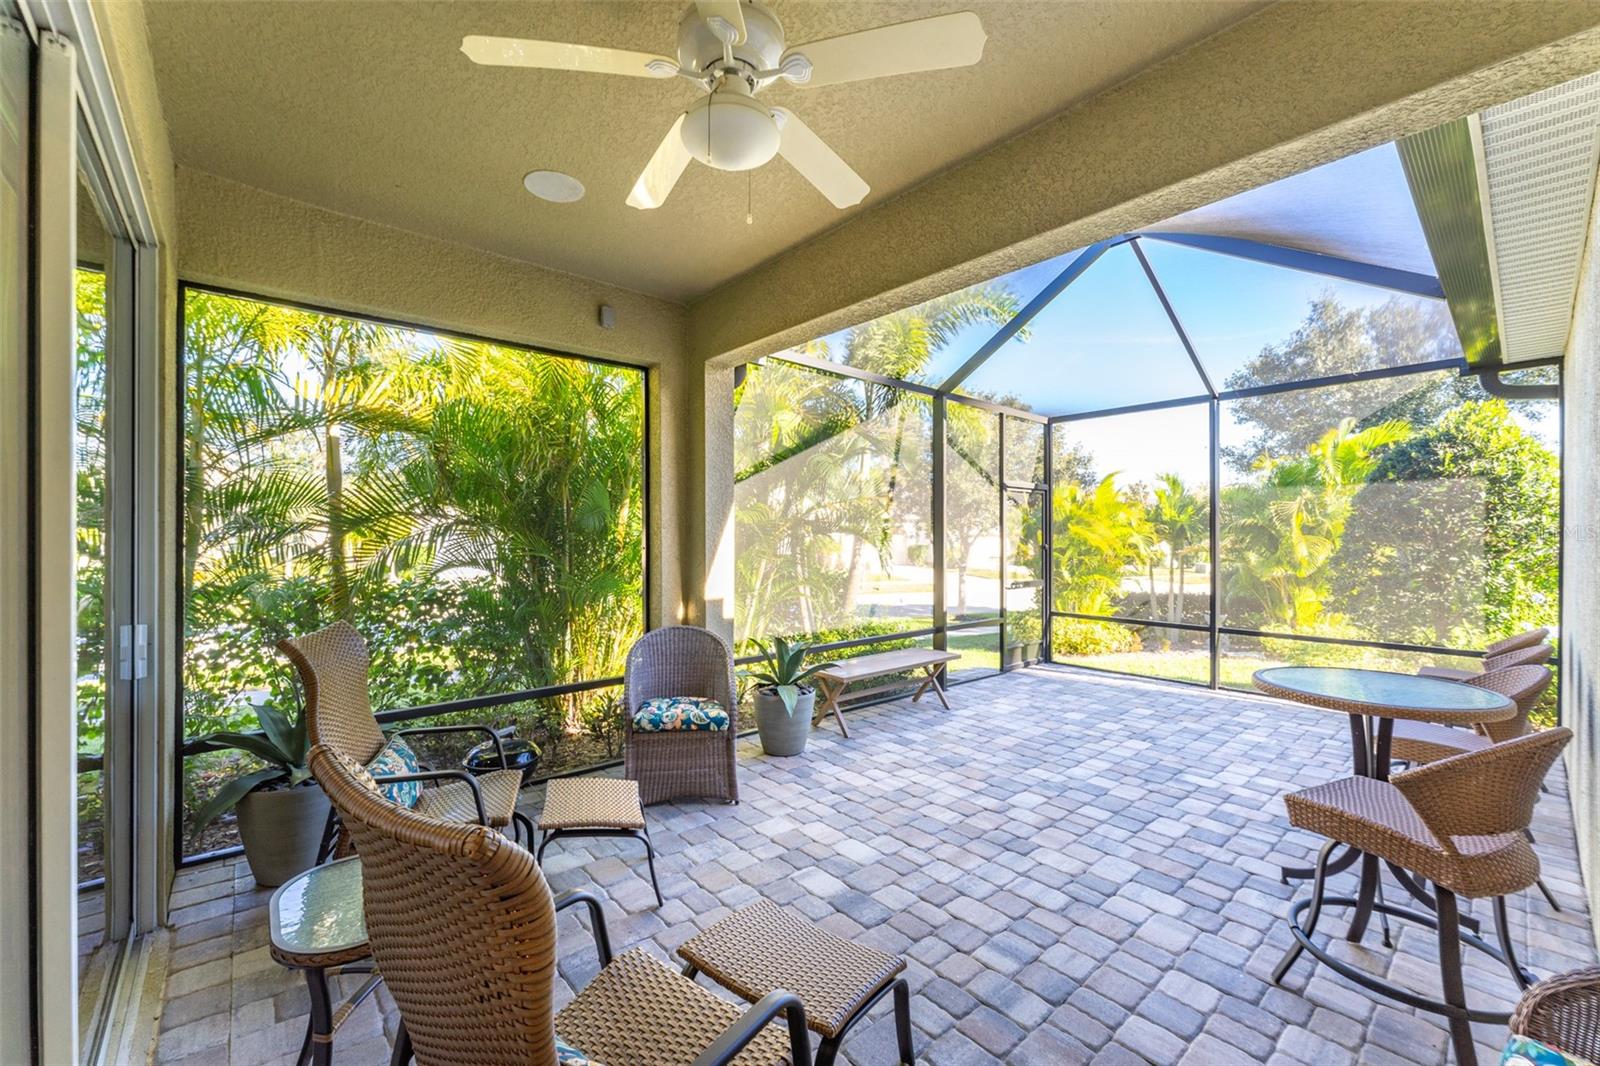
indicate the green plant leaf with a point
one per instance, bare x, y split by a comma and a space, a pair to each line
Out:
277, 729
231, 793
260, 747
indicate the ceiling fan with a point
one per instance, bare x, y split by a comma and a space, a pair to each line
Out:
733, 50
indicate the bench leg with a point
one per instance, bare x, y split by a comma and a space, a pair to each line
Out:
830, 703
933, 682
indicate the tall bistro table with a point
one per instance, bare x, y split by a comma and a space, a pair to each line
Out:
318, 927
1373, 699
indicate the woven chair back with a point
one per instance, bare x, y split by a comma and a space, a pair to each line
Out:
460, 922
333, 669
1526, 639
1536, 655
1523, 685
679, 661
1483, 793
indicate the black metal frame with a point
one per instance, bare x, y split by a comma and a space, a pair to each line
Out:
1213, 397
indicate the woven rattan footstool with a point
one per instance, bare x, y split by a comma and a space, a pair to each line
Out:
763, 947
595, 807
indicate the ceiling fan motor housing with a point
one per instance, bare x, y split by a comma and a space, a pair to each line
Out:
699, 49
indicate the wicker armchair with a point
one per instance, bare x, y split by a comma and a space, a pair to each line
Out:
1524, 649
681, 763
1563, 1012
1460, 823
333, 666
463, 928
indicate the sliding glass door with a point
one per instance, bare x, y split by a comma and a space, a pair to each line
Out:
107, 652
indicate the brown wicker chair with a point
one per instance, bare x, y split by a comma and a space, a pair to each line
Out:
1459, 822
1563, 1012
1524, 649
681, 764
463, 928
1423, 742
333, 666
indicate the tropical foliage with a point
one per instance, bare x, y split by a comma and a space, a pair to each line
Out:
475, 510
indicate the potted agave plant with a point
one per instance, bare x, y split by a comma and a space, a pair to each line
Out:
282, 812
784, 703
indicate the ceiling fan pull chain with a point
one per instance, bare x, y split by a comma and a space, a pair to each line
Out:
750, 198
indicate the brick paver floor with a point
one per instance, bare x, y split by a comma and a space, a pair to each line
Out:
1081, 868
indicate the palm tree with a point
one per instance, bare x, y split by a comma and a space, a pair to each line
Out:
820, 458
1282, 532
1178, 518
1101, 533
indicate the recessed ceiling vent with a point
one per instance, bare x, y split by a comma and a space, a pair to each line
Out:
1539, 158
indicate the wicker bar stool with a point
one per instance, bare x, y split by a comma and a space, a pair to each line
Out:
463, 928
1425, 742
1519, 650
690, 665
1459, 822
1563, 1013
333, 666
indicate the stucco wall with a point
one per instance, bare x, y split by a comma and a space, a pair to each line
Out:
1580, 592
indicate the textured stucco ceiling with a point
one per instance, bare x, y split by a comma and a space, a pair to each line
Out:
368, 108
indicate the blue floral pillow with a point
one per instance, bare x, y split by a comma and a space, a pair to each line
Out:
1524, 1051
567, 1055
396, 757
669, 713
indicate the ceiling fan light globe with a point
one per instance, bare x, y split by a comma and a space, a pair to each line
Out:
729, 131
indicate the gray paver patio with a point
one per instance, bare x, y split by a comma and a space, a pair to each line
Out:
1080, 868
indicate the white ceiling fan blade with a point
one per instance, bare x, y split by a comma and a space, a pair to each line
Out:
558, 55
726, 10
905, 48
662, 172
816, 162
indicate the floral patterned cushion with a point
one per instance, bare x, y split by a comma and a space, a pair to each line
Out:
1525, 1051
567, 1055
396, 757
679, 712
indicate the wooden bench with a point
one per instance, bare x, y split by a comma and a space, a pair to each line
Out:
832, 679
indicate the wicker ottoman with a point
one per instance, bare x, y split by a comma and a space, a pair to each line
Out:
595, 807
763, 947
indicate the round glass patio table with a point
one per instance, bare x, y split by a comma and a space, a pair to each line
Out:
1373, 699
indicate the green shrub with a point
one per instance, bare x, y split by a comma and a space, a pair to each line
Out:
1074, 636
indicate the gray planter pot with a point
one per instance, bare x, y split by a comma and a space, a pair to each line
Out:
781, 732
281, 829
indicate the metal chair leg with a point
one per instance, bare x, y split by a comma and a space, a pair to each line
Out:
1318, 877
522, 829
1455, 994
650, 857
902, 1022
402, 1047
1502, 929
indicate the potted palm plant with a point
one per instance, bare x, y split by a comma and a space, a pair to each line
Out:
282, 812
784, 703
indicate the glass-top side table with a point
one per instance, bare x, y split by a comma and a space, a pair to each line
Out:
317, 926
